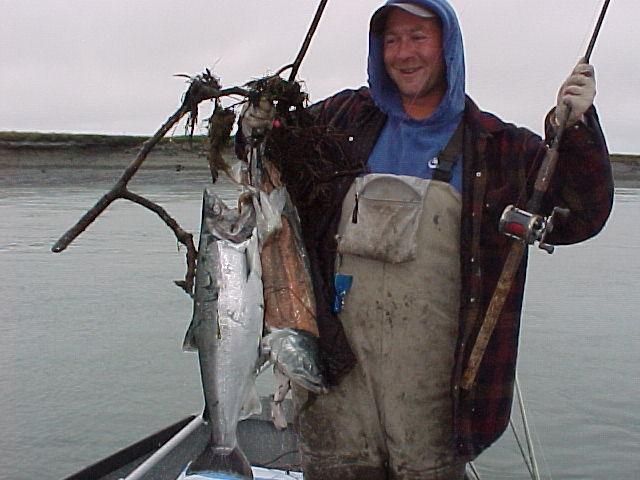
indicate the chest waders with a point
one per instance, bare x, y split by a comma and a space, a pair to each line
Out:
391, 416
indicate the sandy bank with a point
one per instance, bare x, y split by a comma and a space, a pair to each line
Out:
42, 155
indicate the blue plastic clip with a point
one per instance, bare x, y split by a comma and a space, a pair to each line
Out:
342, 284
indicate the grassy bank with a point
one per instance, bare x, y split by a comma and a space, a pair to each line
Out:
28, 150
59, 150
45, 140
625, 158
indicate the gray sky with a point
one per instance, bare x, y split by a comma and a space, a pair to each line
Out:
106, 66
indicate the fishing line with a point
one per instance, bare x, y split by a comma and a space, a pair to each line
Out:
590, 35
274, 460
474, 470
523, 454
586, 36
544, 457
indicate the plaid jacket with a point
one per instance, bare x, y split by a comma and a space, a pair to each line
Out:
499, 168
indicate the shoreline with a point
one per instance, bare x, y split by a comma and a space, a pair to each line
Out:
90, 156
177, 156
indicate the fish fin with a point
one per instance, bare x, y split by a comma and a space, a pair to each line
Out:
278, 416
251, 405
189, 342
233, 462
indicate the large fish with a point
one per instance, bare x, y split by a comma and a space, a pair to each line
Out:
289, 300
226, 329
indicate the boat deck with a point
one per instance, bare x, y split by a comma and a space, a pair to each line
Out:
165, 454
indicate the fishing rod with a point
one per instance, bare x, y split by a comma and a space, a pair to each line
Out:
525, 227
307, 40
258, 136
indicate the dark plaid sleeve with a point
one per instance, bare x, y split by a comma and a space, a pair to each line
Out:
583, 182
512, 157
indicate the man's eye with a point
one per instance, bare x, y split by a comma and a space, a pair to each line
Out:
418, 37
389, 40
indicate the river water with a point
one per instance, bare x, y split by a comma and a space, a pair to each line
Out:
90, 339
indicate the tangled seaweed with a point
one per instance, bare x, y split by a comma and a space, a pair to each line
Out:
195, 94
308, 157
287, 96
220, 125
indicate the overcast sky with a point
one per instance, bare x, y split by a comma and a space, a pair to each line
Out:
107, 66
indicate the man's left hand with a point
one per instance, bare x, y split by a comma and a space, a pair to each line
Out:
257, 119
576, 93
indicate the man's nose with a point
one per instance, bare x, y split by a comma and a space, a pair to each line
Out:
405, 49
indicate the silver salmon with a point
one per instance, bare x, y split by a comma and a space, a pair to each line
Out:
226, 330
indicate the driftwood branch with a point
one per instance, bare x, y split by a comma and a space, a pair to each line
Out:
183, 236
117, 191
198, 92
202, 87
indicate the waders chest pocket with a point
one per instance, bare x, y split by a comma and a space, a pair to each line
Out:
385, 219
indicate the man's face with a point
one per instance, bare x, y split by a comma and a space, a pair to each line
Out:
413, 57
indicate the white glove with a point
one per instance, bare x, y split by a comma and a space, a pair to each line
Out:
577, 92
257, 119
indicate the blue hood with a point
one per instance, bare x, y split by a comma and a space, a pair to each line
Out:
405, 145
383, 90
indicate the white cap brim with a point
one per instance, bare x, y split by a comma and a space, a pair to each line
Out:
379, 18
415, 9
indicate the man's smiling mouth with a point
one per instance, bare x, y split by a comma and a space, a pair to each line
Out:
408, 71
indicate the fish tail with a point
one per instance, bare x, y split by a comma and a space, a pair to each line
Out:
232, 462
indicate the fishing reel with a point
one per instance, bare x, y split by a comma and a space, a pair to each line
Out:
529, 227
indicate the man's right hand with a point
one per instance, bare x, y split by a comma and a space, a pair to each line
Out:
255, 120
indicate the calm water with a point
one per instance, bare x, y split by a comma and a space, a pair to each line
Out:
90, 356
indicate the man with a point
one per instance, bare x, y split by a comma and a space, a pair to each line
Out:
416, 231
